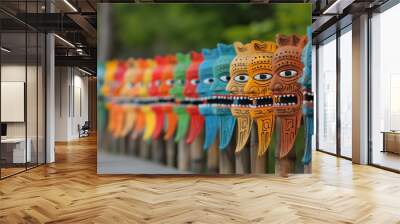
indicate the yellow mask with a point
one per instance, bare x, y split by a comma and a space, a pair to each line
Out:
150, 116
240, 107
258, 88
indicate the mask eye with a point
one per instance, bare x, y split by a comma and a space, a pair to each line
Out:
225, 78
170, 82
179, 82
241, 78
208, 81
288, 73
194, 81
262, 77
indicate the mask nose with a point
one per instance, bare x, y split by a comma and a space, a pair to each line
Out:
252, 90
276, 85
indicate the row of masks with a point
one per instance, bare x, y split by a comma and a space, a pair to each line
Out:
217, 91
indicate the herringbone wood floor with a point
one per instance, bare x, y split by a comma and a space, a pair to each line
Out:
69, 191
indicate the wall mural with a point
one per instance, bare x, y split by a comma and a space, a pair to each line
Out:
239, 107
221, 92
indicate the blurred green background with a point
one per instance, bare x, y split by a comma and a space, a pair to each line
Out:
144, 30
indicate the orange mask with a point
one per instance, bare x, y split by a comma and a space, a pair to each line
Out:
136, 91
238, 79
258, 87
166, 85
287, 70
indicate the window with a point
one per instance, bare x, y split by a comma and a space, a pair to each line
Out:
326, 104
346, 93
385, 89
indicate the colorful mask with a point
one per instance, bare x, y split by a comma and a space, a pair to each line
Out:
177, 92
114, 80
238, 79
203, 89
166, 84
258, 88
150, 116
128, 78
110, 69
129, 110
101, 106
154, 91
287, 69
128, 121
222, 101
308, 105
122, 67
140, 65
192, 79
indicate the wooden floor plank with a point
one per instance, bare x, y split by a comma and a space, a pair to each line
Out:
70, 191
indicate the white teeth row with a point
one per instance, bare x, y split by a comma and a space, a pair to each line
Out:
242, 106
307, 101
242, 98
287, 95
308, 93
261, 106
260, 98
191, 99
284, 104
214, 97
213, 105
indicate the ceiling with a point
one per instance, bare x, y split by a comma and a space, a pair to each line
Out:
74, 22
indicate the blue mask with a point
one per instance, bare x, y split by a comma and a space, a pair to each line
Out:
308, 110
203, 89
222, 109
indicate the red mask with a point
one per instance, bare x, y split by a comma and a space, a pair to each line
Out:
154, 91
166, 85
189, 91
119, 78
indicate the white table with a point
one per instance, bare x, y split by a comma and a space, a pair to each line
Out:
19, 149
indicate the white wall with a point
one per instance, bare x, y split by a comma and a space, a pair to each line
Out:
71, 94
13, 73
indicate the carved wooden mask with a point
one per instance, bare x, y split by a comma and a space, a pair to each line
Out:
192, 80
240, 106
222, 101
203, 89
258, 88
288, 98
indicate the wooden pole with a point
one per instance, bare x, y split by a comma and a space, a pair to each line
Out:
145, 146
243, 160
212, 158
171, 152
158, 151
258, 163
196, 153
183, 155
227, 159
285, 165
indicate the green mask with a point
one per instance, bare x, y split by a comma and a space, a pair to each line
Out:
183, 62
